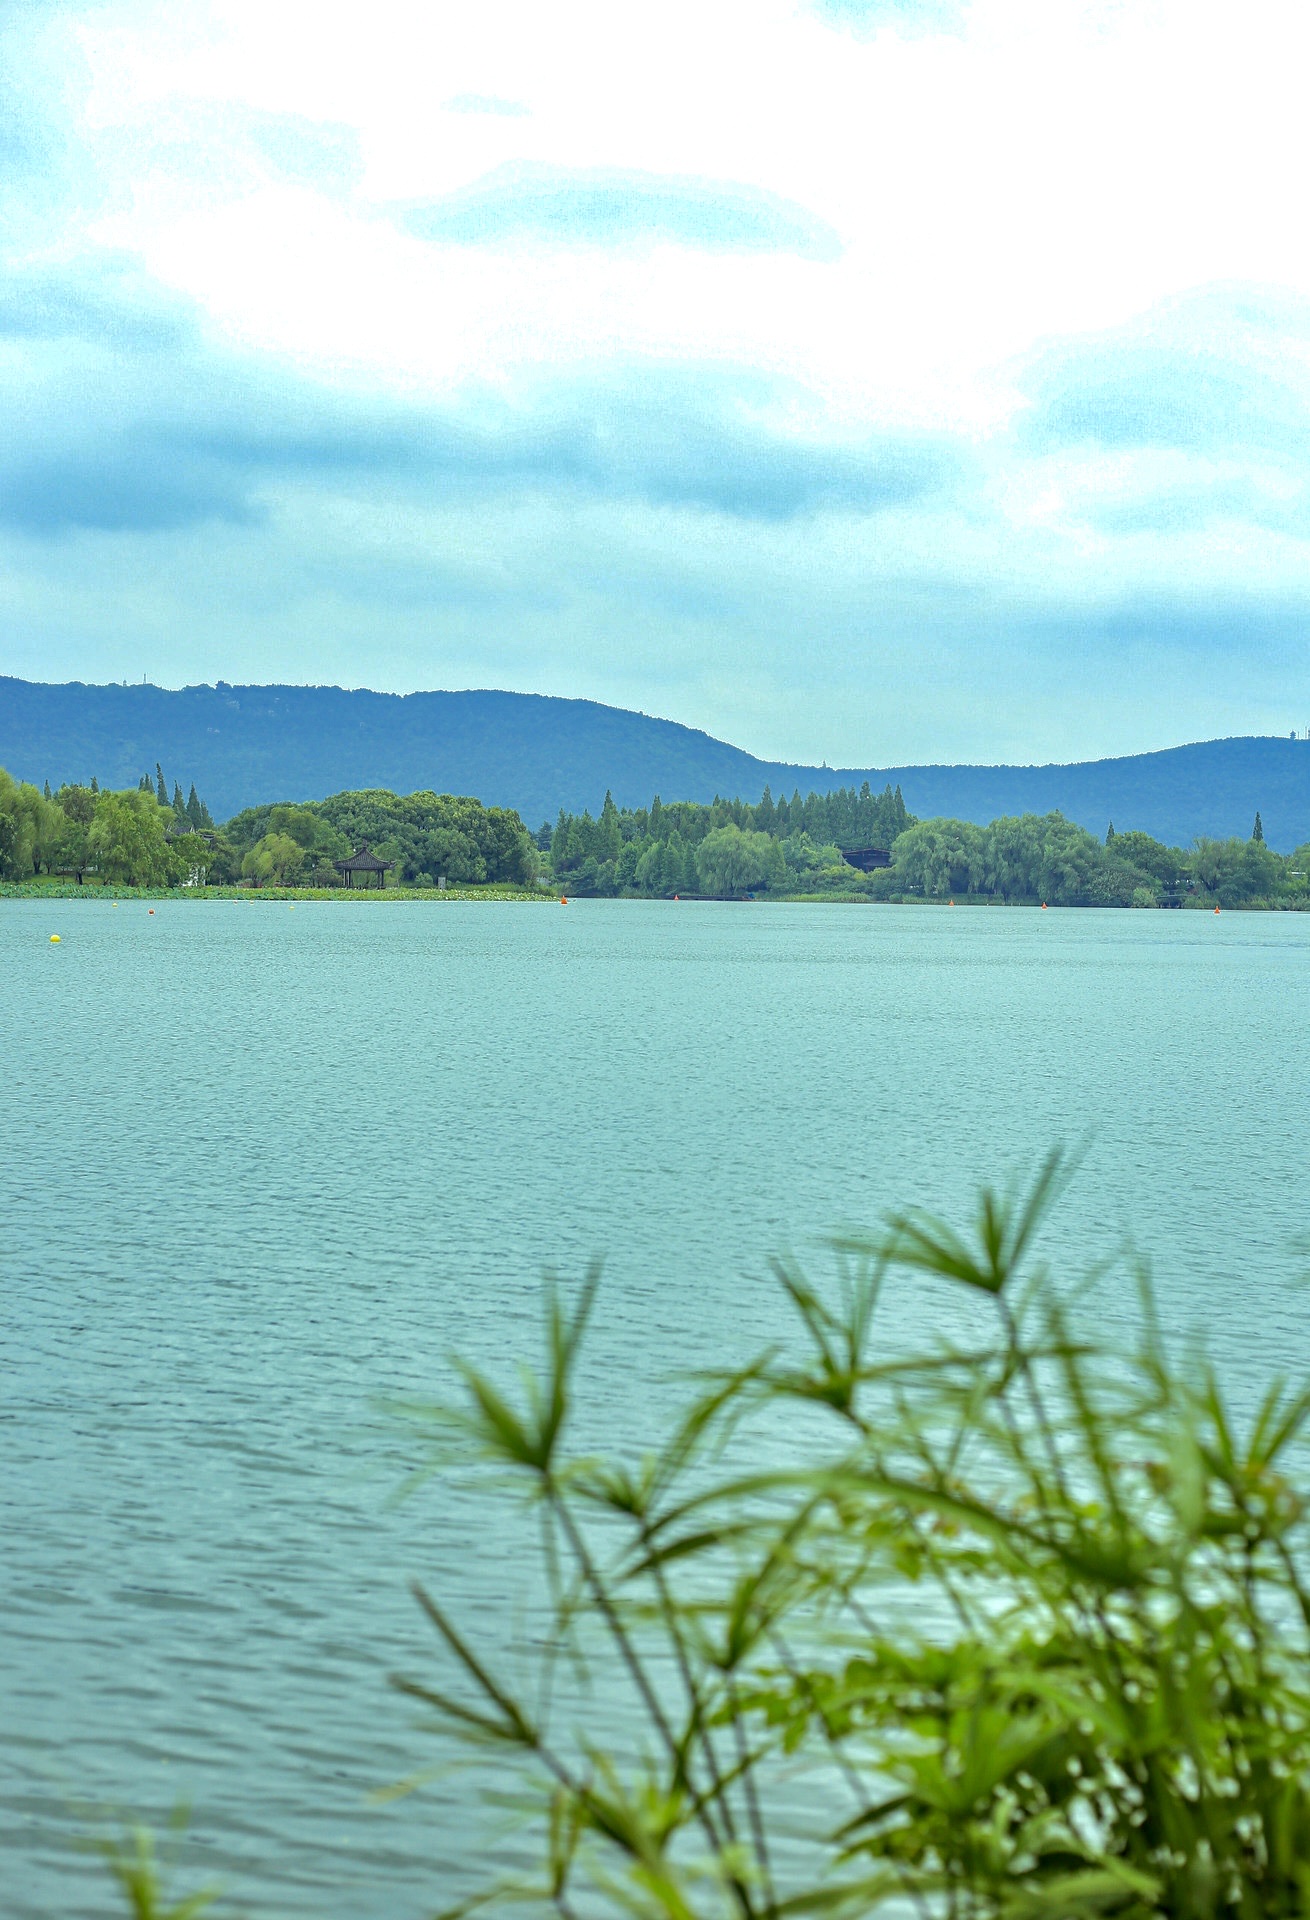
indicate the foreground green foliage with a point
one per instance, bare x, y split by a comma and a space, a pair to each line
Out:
1014, 1628
142, 1879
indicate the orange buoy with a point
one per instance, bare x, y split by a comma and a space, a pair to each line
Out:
150, 909
1216, 909
950, 903
1043, 906
563, 900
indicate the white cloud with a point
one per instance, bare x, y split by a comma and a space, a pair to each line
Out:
1047, 168
1025, 195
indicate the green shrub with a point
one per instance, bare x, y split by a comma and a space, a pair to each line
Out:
1029, 1612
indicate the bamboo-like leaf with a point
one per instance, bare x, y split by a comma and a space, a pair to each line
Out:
512, 1716
1005, 1228
136, 1871
1029, 1595
1071, 1896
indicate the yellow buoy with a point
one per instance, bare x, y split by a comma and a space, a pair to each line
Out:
54, 939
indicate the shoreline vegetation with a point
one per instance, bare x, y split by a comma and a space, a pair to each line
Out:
270, 896
410, 896
1014, 1626
848, 846
805, 849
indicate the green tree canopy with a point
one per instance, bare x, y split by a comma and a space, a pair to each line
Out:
939, 857
126, 839
276, 860
30, 827
423, 833
78, 803
1168, 865
730, 862
1236, 871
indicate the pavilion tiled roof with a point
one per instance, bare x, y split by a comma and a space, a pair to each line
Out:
362, 861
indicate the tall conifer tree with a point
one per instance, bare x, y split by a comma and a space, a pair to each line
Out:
559, 840
609, 834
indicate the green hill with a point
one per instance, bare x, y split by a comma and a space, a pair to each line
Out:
246, 745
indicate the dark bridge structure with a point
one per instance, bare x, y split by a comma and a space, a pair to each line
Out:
867, 859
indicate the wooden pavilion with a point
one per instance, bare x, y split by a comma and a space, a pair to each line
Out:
362, 861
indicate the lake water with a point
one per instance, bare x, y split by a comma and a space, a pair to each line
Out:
264, 1168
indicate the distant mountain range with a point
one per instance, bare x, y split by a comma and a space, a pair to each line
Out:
244, 745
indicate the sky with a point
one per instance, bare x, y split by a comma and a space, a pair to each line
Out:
869, 381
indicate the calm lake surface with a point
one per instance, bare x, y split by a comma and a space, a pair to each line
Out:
262, 1169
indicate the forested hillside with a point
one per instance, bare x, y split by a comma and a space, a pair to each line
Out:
246, 746
725, 851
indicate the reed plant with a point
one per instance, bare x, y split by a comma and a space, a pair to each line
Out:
1014, 1627
142, 1876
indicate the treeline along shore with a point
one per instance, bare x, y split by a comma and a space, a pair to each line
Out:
139, 837
817, 846
849, 844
